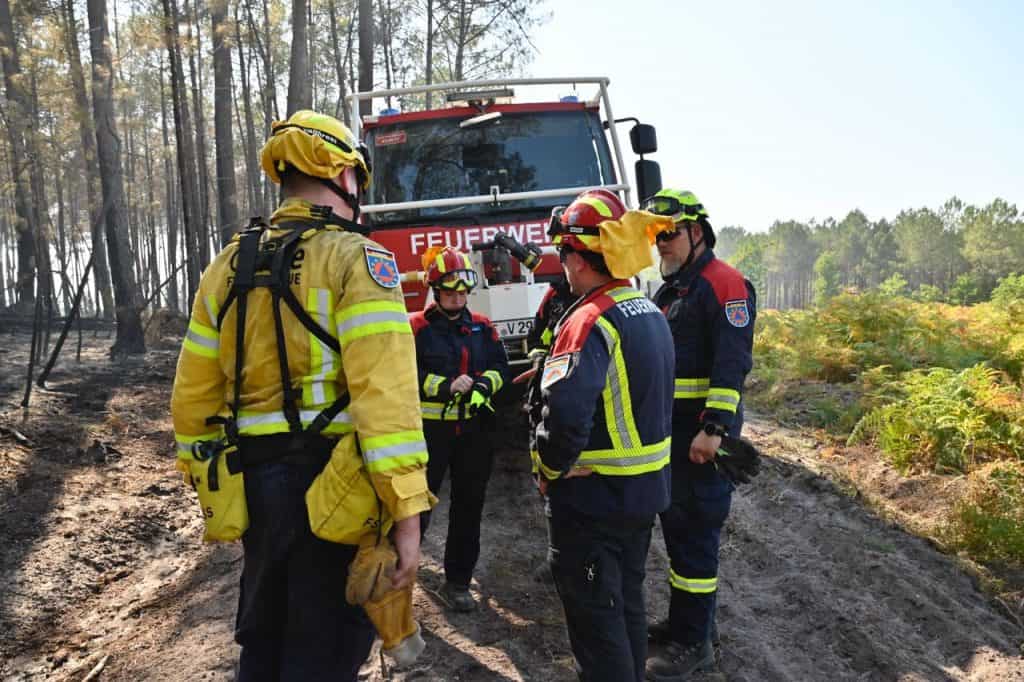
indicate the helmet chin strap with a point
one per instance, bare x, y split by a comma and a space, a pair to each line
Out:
693, 252
450, 314
350, 199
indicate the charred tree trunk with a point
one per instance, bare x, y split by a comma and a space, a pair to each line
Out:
203, 181
227, 199
169, 199
129, 327
385, 41
101, 272
428, 68
17, 116
300, 93
40, 214
186, 148
340, 110
154, 261
255, 189
365, 54
271, 100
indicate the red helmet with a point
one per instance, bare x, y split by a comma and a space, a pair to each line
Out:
577, 224
450, 269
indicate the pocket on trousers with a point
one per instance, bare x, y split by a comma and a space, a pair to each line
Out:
712, 500
341, 503
221, 497
586, 581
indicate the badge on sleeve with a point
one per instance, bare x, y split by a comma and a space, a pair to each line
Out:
556, 369
382, 266
737, 314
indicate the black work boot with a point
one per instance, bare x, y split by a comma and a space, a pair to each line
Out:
660, 632
457, 598
677, 663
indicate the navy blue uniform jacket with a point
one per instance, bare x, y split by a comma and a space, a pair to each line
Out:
607, 405
711, 309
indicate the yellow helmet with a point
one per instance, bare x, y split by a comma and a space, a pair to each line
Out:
318, 145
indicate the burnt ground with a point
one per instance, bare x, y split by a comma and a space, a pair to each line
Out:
102, 562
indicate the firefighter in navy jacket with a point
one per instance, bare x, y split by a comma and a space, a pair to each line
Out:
710, 308
462, 364
602, 443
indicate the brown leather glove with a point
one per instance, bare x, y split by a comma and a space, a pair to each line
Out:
369, 575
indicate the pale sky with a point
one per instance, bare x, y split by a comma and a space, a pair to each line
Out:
779, 110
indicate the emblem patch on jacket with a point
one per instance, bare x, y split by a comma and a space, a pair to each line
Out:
556, 369
737, 313
382, 266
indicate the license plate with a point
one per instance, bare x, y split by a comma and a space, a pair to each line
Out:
508, 329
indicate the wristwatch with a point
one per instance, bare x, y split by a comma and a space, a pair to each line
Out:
713, 429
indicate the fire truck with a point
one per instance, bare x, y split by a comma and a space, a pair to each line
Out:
481, 171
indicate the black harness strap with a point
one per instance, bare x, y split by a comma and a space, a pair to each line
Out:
279, 282
245, 276
267, 266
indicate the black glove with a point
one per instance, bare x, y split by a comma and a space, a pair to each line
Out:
738, 460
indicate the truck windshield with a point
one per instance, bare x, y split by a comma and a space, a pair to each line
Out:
518, 152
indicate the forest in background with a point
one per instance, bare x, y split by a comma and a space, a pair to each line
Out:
957, 253
130, 129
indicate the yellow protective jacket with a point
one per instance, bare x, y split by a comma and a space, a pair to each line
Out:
330, 275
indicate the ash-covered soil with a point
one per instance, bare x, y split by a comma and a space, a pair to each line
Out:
102, 561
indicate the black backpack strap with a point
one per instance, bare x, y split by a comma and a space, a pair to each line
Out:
245, 276
278, 283
280, 254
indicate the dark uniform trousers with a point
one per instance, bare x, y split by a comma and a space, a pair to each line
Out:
465, 449
599, 573
692, 526
323, 638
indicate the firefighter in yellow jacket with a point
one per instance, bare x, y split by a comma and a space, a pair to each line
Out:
299, 359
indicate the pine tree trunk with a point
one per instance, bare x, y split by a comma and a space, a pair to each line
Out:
428, 68
38, 207
300, 94
186, 148
129, 326
170, 201
227, 199
255, 188
203, 181
339, 66
100, 270
17, 120
154, 260
365, 54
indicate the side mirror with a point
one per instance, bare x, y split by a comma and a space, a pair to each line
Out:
643, 139
648, 179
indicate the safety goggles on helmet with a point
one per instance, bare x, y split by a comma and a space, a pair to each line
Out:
671, 206
458, 280
558, 230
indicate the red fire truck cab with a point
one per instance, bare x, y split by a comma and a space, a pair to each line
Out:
482, 163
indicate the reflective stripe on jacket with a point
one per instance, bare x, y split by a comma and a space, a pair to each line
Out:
446, 349
711, 309
607, 393
330, 275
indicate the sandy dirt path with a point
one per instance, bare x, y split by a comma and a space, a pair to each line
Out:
101, 561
